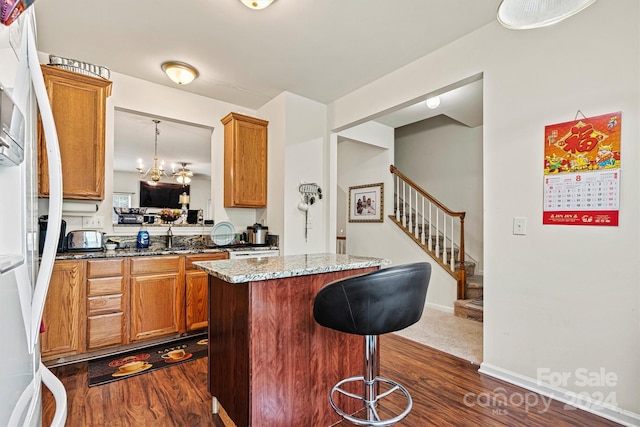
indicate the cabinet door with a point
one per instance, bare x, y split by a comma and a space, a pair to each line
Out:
78, 103
157, 305
245, 161
64, 311
197, 283
197, 292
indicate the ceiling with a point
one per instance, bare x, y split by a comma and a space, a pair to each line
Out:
318, 49
321, 50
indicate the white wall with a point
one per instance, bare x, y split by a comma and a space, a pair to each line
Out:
444, 157
364, 155
300, 137
560, 298
273, 215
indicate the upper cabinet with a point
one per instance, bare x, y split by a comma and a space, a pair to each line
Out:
78, 103
245, 161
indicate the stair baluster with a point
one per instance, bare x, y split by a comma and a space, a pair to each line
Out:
437, 233
397, 198
430, 231
408, 213
444, 239
404, 214
452, 262
424, 229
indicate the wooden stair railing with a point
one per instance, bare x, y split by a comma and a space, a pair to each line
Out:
431, 225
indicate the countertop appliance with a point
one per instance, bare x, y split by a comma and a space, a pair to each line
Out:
23, 281
42, 232
84, 240
257, 234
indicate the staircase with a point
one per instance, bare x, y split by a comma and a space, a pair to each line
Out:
440, 233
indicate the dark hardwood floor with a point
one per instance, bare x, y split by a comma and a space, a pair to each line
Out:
447, 391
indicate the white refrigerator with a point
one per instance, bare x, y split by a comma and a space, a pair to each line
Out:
24, 273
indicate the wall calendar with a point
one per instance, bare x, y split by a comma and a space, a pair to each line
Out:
582, 171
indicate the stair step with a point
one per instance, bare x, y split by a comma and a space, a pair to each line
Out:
474, 287
469, 268
469, 309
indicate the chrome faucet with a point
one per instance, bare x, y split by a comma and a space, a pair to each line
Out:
169, 238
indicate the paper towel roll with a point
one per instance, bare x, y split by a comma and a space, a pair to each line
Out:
70, 208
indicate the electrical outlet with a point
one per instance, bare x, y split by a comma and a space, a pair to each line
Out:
95, 221
519, 225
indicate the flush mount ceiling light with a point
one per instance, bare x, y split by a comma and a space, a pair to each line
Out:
180, 72
256, 4
433, 102
528, 14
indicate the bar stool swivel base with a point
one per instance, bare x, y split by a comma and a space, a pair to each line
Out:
370, 404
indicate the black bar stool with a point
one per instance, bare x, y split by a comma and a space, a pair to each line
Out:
373, 304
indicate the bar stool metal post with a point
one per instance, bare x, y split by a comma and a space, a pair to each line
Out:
373, 304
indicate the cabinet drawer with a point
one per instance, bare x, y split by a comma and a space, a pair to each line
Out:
105, 330
190, 259
105, 267
102, 305
105, 286
152, 265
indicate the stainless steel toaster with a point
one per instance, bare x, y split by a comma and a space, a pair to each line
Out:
84, 240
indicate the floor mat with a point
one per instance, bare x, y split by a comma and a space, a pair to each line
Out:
140, 361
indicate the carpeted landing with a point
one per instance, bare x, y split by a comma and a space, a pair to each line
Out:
446, 332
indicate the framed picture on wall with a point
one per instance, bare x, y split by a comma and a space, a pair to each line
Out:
366, 203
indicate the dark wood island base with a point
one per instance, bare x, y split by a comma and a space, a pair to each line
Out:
270, 364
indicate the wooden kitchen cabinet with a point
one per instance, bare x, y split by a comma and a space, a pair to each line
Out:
64, 311
107, 303
78, 103
197, 294
157, 296
245, 161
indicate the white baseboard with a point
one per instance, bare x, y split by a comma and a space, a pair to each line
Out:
567, 397
439, 307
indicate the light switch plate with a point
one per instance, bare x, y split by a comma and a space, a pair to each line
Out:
519, 225
92, 222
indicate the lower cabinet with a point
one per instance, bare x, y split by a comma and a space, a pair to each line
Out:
197, 295
101, 303
157, 296
64, 313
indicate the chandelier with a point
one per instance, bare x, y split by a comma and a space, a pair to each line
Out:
157, 171
183, 175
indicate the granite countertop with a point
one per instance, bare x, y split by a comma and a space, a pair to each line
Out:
252, 269
131, 252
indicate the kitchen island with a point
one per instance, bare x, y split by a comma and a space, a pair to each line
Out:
270, 364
